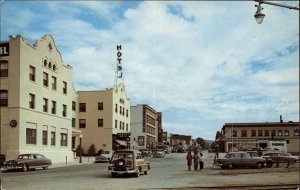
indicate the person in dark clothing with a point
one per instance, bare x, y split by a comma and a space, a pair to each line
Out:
189, 159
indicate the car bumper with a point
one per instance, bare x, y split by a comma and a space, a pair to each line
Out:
121, 172
11, 167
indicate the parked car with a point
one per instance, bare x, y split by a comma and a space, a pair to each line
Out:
2, 159
103, 157
27, 162
128, 162
269, 161
240, 159
146, 153
281, 157
159, 154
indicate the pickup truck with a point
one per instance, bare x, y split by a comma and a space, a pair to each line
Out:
240, 159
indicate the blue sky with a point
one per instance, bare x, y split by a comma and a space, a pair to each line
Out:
200, 63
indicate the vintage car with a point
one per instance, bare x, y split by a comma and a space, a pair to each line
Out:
128, 162
281, 157
103, 157
159, 154
240, 159
27, 162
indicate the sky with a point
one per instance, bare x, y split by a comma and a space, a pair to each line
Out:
201, 63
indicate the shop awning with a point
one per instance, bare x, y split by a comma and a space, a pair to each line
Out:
120, 142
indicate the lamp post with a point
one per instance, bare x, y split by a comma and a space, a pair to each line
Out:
80, 148
259, 15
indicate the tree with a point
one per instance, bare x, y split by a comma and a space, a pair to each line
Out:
202, 143
92, 150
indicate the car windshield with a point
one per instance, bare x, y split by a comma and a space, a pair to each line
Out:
23, 156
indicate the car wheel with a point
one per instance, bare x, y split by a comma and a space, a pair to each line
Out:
145, 172
269, 164
229, 166
45, 168
24, 168
223, 167
259, 165
113, 174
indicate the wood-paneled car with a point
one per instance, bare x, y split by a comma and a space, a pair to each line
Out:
27, 162
128, 162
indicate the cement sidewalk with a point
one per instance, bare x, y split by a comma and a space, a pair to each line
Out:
85, 160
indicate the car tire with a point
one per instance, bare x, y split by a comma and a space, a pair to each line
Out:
229, 166
269, 164
113, 174
24, 168
259, 165
145, 172
223, 167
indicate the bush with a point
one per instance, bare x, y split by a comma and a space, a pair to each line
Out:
92, 150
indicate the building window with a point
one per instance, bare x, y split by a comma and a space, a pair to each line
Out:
260, 133
53, 109
3, 68
100, 122
45, 79
267, 133
116, 108
30, 136
286, 133
244, 133
73, 106
287, 141
63, 139
126, 126
120, 125
253, 133
45, 137
82, 107
82, 123
52, 138
280, 133
116, 124
234, 133
45, 106
64, 87
3, 98
31, 73
54, 83
64, 112
126, 112
273, 133
73, 122
45, 63
121, 110
296, 132
100, 105
31, 101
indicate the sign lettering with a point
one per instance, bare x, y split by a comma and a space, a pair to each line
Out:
4, 49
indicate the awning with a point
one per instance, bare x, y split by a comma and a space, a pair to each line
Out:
120, 142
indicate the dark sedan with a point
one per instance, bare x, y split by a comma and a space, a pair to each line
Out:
27, 162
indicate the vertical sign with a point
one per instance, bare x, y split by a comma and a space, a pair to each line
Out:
4, 49
119, 59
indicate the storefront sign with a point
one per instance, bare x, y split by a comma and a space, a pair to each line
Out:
4, 49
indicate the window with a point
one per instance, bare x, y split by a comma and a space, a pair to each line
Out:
31, 101
116, 124
280, 133
120, 109
30, 136
273, 132
63, 139
45, 106
81, 123
82, 107
45, 79
73, 106
116, 108
260, 133
234, 133
100, 122
53, 109
53, 83
286, 133
45, 137
120, 125
267, 133
253, 133
126, 112
52, 138
126, 126
3, 68
244, 133
45, 62
287, 141
64, 112
100, 105
3, 98
296, 132
64, 87
73, 122
31, 73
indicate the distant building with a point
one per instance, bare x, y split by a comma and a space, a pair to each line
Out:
269, 134
143, 127
102, 116
178, 142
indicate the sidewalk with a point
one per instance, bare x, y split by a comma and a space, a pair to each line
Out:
85, 160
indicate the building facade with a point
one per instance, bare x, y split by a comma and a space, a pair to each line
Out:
144, 129
239, 136
102, 117
179, 142
36, 94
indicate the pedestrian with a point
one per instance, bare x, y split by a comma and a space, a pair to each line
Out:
189, 159
201, 163
196, 160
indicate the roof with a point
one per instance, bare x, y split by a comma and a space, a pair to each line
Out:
263, 124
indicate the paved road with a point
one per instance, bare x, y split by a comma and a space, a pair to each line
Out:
166, 173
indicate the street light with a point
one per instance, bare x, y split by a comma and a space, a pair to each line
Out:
259, 15
80, 148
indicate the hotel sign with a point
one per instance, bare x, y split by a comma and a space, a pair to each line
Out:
4, 49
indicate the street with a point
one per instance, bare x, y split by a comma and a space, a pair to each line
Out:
166, 173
